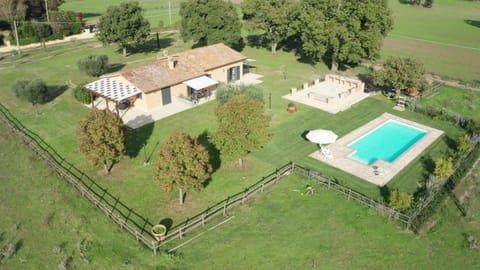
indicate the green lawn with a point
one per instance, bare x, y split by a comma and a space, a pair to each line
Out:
440, 37
132, 181
286, 230
454, 29
155, 10
365, 240
465, 102
50, 222
280, 229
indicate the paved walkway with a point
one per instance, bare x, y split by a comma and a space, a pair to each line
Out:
135, 117
13, 47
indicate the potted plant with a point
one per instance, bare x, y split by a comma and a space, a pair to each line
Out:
411, 91
291, 108
159, 231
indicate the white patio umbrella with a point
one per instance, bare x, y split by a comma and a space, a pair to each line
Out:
321, 136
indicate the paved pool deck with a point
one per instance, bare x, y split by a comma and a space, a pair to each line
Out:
385, 170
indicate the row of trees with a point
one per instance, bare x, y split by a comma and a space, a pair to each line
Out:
182, 162
27, 10
339, 31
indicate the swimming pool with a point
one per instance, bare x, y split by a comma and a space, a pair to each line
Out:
387, 142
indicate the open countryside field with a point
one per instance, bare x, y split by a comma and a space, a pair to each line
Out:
445, 37
465, 102
155, 10
132, 182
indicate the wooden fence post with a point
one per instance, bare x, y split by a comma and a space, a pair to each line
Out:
292, 166
203, 219
225, 207
277, 176
244, 196
154, 247
329, 183
348, 197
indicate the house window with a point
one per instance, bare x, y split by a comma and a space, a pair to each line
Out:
233, 74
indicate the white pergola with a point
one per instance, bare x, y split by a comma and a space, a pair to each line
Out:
111, 90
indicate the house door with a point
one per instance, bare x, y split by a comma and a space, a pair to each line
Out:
166, 96
233, 74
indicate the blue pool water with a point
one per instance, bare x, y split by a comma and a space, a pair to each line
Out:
386, 142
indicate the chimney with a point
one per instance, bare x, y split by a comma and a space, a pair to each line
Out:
171, 62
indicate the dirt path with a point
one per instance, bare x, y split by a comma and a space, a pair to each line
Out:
433, 78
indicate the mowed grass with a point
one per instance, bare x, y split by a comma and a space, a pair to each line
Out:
284, 229
448, 22
50, 222
445, 38
462, 101
132, 182
155, 10
279, 229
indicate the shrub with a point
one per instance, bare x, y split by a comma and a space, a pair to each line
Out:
473, 127
443, 167
93, 65
400, 200
33, 91
81, 95
464, 144
226, 92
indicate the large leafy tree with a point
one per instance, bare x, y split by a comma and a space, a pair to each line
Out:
123, 25
274, 17
101, 137
182, 163
343, 31
12, 9
242, 127
399, 73
209, 22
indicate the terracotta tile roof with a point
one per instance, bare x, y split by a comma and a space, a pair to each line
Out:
188, 65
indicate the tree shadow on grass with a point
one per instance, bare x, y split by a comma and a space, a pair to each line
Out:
90, 15
167, 222
473, 23
137, 139
385, 193
54, 91
114, 67
451, 143
151, 45
428, 164
369, 80
213, 153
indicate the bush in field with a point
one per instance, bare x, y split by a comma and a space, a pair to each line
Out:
473, 127
226, 92
443, 168
400, 200
33, 91
93, 65
81, 95
464, 144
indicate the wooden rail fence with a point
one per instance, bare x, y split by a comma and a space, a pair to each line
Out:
352, 194
140, 227
125, 217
